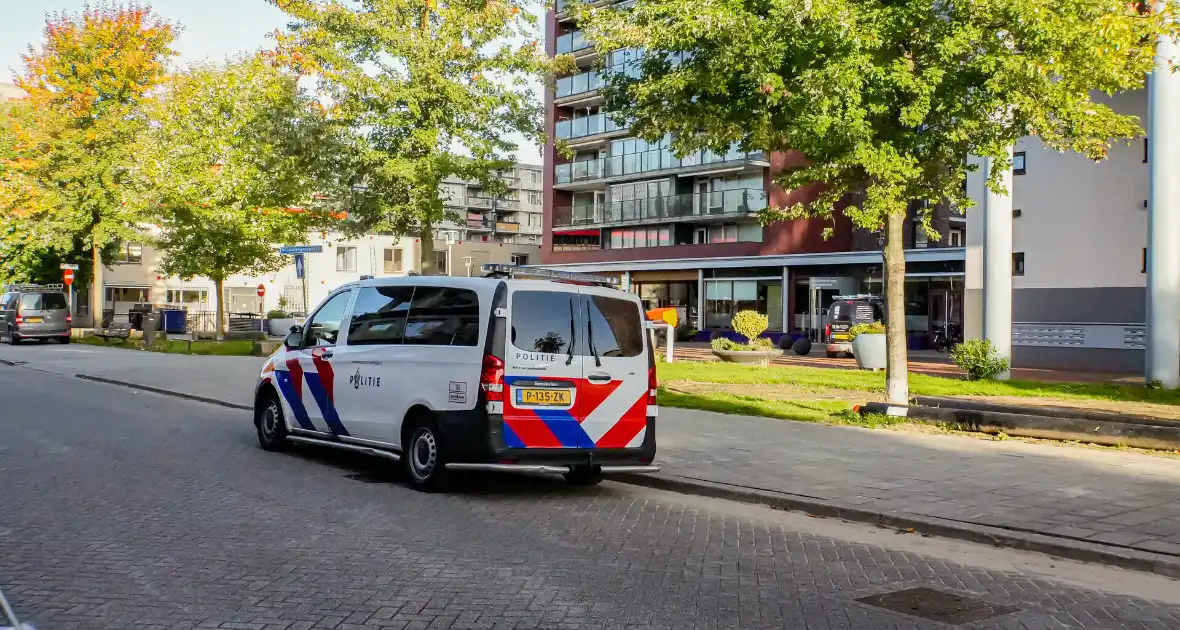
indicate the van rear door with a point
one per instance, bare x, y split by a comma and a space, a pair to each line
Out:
543, 366
613, 410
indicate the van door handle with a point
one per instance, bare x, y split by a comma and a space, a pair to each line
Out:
598, 377
326, 354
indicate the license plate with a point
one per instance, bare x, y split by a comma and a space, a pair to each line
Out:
543, 397
33, 320
839, 337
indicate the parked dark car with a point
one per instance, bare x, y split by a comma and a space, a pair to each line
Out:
846, 312
34, 311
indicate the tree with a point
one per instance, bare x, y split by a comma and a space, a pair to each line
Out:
417, 80
884, 99
230, 165
67, 171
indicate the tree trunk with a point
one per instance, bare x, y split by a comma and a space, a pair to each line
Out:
97, 294
219, 328
896, 376
427, 255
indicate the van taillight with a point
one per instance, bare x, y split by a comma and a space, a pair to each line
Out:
827, 331
69, 319
19, 319
491, 378
653, 385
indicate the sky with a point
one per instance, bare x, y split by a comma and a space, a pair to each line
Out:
211, 29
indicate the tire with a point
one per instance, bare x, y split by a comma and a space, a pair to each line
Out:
13, 338
424, 463
832, 355
64, 340
271, 425
584, 476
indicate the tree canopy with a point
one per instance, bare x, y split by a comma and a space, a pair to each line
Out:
884, 99
431, 89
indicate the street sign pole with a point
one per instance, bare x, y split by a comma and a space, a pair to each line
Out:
67, 272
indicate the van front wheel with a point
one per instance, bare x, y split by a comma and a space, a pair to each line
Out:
584, 475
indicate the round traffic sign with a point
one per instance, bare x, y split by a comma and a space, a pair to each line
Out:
262, 290
68, 276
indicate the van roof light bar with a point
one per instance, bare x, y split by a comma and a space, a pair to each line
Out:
34, 287
499, 270
859, 296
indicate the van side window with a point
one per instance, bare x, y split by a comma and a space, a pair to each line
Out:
615, 327
443, 317
323, 328
542, 321
379, 315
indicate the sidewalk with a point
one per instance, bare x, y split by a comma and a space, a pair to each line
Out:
1106, 504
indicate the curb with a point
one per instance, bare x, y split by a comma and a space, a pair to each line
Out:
1062, 547
163, 392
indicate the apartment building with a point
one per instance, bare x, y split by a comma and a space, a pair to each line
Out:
1079, 254
515, 217
684, 231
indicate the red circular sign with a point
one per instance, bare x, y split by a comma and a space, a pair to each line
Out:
68, 276
261, 290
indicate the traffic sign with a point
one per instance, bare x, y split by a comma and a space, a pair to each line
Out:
298, 266
65, 266
68, 276
262, 290
301, 249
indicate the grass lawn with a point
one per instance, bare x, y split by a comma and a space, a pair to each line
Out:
920, 384
172, 346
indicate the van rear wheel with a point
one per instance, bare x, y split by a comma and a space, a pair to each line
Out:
423, 458
584, 475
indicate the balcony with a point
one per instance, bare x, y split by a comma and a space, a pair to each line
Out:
654, 162
481, 225
488, 202
505, 226
561, 6
585, 85
574, 42
676, 208
587, 127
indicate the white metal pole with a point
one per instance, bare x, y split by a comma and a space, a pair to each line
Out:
997, 261
1163, 219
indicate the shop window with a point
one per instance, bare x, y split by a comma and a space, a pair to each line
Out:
520, 259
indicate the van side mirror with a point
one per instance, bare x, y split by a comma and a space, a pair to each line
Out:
294, 339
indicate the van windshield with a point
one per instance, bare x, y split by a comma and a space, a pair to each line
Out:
43, 302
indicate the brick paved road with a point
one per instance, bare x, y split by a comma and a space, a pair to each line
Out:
124, 510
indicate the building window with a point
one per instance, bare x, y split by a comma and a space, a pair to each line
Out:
1018, 263
1018, 163
345, 259
535, 176
187, 297
955, 238
535, 198
921, 239
134, 295
1145, 150
440, 262
129, 254
393, 261
520, 259
1143, 261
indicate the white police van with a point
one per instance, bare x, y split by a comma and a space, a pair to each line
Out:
523, 369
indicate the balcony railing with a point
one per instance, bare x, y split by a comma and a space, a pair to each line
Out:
674, 208
645, 162
487, 202
572, 42
590, 81
504, 226
589, 126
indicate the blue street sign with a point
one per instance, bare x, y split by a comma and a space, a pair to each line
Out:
301, 249
298, 266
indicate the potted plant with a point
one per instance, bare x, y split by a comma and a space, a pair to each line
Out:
279, 321
757, 350
868, 346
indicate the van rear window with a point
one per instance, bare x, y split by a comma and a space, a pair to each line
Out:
541, 322
43, 302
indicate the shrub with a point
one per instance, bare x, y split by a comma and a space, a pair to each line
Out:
979, 359
727, 344
750, 324
875, 328
278, 313
763, 344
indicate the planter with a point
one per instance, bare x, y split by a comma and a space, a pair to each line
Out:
280, 327
870, 351
748, 357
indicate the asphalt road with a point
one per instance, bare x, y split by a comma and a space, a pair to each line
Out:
130, 510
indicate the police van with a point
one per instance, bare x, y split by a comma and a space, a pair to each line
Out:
522, 369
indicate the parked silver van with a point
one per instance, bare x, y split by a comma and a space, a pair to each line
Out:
35, 311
